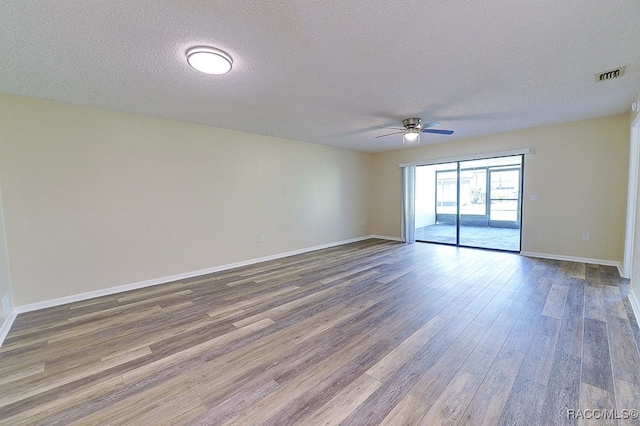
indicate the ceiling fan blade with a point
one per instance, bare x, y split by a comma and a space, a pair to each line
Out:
432, 124
389, 134
438, 131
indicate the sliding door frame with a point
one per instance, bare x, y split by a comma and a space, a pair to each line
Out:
458, 215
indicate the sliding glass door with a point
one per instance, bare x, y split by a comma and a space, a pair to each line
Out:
473, 203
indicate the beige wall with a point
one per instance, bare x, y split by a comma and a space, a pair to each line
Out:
95, 199
579, 171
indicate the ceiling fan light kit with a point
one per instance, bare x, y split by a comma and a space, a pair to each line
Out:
411, 135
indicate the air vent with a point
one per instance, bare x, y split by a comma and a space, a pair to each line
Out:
610, 75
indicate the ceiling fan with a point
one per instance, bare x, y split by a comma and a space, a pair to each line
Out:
413, 127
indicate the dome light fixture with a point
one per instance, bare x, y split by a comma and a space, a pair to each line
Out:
412, 134
209, 60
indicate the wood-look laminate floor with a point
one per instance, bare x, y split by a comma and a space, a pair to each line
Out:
375, 332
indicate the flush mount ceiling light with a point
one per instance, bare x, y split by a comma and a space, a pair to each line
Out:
209, 60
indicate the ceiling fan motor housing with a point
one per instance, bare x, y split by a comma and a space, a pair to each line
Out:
411, 123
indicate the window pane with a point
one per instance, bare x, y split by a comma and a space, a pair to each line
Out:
506, 210
446, 196
473, 192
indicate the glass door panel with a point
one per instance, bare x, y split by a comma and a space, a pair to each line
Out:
474, 216
437, 203
498, 225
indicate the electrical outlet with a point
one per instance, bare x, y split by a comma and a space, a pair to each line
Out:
534, 197
586, 236
261, 238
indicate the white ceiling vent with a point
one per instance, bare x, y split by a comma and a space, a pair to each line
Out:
610, 75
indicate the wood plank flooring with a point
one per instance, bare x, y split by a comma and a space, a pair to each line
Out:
369, 333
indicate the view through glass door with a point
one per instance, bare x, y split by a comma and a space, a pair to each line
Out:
470, 203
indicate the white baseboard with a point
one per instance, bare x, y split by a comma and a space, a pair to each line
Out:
624, 272
574, 259
635, 305
163, 280
383, 237
6, 325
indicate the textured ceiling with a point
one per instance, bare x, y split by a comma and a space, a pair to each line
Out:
332, 72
